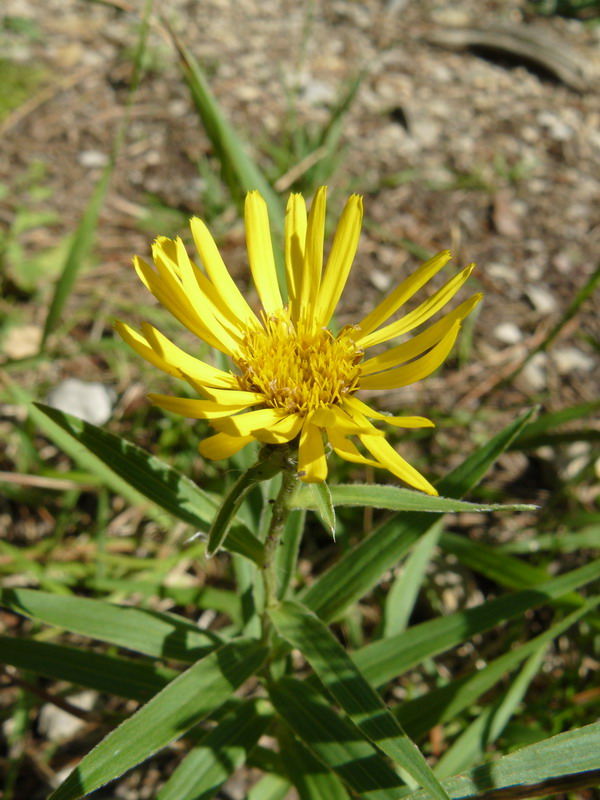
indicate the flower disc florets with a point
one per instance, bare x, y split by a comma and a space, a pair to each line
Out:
297, 369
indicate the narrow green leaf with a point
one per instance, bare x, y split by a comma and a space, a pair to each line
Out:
393, 498
312, 779
271, 787
79, 252
223, 519
361, 568
138, 476
136, 680
320, 500
223, 750
402, 596
154, 633
506, 570
210, 597
384, 660
471, 745
338, 673
444, 704
561, 763
168, 715
334, 740
533, 435
287, 553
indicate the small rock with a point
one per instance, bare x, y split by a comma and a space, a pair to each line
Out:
380, 280
504, 216
535, 374
93, 159
556, 127
541, 299
22, 341
503, 272
508, 333
570, 359
91, 402
58, 725
317, 93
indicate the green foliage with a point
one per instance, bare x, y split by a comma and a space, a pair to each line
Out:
322, 745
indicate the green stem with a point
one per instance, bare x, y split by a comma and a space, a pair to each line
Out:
281, 511
267, 466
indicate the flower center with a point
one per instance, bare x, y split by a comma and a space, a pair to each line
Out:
296, 370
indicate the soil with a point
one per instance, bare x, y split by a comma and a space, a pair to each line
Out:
479, 149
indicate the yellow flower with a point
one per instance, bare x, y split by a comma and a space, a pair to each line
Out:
292, 377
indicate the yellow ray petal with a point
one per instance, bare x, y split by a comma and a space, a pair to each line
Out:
312, 464
198, 292
295, 240
260, 252
222, 445
393, 461
420, 315
219, 274
177, 304
420, 343
313, 257
340, 259
197, 409
335, 417
283, 431
184, 363
251, 423
415, 370
348, 450
205, 298
234, 397
402, 293
357, 406
141, 346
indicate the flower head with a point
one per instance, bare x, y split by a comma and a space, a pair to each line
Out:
292, 378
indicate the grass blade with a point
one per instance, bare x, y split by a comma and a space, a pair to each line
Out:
334, 740
393, 498
223, 750
338, 673
561, 763
154, 633
135, 474
471, 744
177, 708
113, 675
443, 704
385, 659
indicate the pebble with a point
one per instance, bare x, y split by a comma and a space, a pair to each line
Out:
570, 359
541, 299
508, 333
58, 725
89, 401
22, 341
93, 159
534, 373
380, 280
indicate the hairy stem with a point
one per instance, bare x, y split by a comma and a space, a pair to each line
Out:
281, 511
